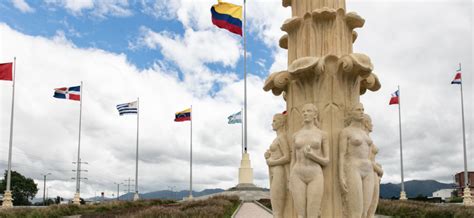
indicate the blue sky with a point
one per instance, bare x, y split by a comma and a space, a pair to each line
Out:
114, 33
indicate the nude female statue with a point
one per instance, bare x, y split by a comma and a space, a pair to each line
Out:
355, 167
277, 157
310, 154
378, 172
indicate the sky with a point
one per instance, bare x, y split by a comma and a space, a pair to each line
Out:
168, 53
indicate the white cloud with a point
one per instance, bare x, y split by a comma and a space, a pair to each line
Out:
22, 6
101, 9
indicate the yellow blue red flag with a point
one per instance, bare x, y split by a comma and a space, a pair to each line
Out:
227, 16
183, 115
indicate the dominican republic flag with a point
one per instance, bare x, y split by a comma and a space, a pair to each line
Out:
71, 93
395, 98
128, 108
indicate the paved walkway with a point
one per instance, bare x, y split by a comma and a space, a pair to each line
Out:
252, 210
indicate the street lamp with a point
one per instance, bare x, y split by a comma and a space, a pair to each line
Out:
44, 187
118, 190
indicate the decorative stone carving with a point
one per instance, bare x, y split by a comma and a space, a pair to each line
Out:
310, 155
356, 172
322, 70
7, 201
278, 160
378, 172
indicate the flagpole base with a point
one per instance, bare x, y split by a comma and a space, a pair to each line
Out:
467, 198
136, 197
77, 199
403, 196
7, 200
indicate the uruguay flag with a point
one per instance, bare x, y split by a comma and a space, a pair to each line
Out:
71, 93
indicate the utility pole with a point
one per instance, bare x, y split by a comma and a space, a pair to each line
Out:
78, 178
118, 190
44, 187
128, 184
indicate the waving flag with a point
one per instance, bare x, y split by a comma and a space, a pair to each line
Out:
183, 115
395, 98
6, 71
128, 108
71, 93
227, 16
235, 118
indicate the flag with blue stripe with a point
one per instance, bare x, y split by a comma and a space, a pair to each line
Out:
128, 108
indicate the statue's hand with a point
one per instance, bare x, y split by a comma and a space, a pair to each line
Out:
344, 188
267, 154
307, 150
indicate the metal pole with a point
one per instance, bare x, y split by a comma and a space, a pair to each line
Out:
242, 125
78, 173
136, 158
401, 146
191, 158
466, 178
118, 191
44, 190
245, 76
10, 146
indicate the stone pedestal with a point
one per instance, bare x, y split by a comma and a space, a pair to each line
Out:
245, 171
136, 197
403, 196
77, 199
7, 200
467, 198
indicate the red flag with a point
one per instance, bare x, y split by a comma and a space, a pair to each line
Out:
394, 99
6, 71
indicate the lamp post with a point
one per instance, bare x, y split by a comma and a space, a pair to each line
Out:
44, 187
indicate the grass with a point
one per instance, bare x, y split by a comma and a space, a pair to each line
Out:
423, 210
219, 206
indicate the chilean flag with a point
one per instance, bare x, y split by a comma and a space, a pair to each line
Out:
71, 93
395, 98
457, 78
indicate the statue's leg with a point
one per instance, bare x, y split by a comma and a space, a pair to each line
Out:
375, 197
298, 192
315, 196
354, 197
368, 192
278, 190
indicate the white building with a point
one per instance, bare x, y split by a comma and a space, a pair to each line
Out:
443, 193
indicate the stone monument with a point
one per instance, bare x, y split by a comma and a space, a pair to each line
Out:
324, 72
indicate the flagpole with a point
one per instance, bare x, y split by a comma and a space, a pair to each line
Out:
191, 158
77, 199
242, 127
402, 193
7, 199
245, 75
466, 193
136, 196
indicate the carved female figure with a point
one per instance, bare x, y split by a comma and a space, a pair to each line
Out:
355, 167
378, 172
277, 157
310, 154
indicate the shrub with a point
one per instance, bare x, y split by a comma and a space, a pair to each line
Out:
422, 209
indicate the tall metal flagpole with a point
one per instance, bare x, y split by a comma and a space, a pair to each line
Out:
7, 198
402, 193
191, 158
136, 196
466, 193
77, 199
242, 125
245, 76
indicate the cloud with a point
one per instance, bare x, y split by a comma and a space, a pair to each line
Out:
101, 9
23, 6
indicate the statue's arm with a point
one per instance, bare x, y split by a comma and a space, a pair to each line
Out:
342, 152
378, 169
324, 160
285, 150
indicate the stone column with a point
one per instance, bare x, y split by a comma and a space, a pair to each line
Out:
323, 70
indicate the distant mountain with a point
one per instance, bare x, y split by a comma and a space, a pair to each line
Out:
167, 194
413, 188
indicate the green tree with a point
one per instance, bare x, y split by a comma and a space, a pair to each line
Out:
23, 189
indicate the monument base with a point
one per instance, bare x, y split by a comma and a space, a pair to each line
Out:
7, 200
403, 196
77, 199
467, 198
245, 170
136, 197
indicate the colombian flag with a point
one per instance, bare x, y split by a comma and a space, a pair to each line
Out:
227, 16
183, 115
